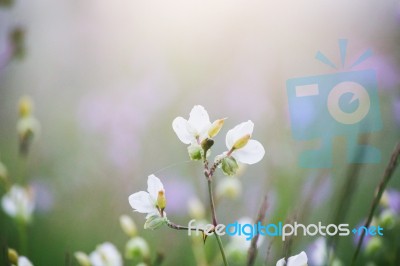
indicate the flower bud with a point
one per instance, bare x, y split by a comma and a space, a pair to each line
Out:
25, 106
3, 172
196, 209
12, 256
373, 245
215, 127
128, 225
229, 187
161, 200
240, 143
154, 222
195, 152
229, 165
82, 258
137, 248
387, 219
206, 144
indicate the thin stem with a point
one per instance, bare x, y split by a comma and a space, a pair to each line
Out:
221, 248
181, 227
212, 204
389, 170
21, 226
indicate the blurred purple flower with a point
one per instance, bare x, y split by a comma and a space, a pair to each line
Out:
44, 198
387, 71
177, 193
317, 252
356, 237
122, 115
394, 200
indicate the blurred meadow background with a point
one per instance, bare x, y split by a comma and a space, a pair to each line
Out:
108, 77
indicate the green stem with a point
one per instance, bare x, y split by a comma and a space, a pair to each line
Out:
212, 204
21, 226
221, 248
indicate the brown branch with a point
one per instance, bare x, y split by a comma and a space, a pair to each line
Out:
389, 170
252, 252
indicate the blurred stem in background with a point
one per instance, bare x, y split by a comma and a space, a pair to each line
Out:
390, 168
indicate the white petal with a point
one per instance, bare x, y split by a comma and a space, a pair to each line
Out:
298, 260
237, 132
281, 262
199, 119
106, 254
23, 261
181, 128
142, 202
9, 206
252, 153
154, 185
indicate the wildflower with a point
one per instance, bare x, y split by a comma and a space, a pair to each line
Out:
24, 261
106, 254
152, 202
197, 128
17, 260
241, 146
18, 203
297, 260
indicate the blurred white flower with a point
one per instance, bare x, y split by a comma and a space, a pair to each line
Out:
239, 245
18, 203
229, 187
297, 260
196, 208
195, 129
127, 225
106, 254
241, 146
152, 202
136, 248
23, 261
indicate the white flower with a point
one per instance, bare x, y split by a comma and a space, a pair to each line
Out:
18, 203
127, 225
195, 129
241, 147
297, 260
229, 187
23, 261
148, 202
239, 245
106, 254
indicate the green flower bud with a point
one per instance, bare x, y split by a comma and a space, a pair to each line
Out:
137, 248
373, 245
195, 152
82, 258
387, 219
240, 143
128, 225
154, 222
215, 127
229, 165
12, 256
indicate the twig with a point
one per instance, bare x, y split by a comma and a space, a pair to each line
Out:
389, 170
252, 252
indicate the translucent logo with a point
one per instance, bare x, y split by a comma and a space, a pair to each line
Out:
345, 104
